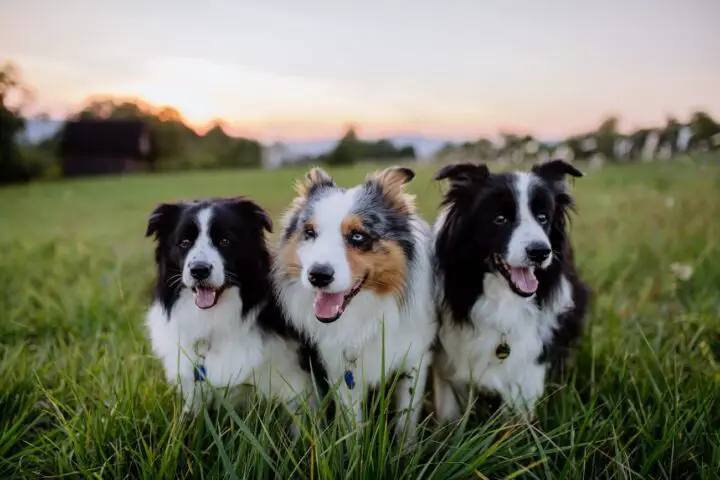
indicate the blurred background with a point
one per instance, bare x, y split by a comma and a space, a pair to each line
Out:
105, 87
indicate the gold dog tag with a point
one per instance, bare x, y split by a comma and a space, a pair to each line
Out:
502, 351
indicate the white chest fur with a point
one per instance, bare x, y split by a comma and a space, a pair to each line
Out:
373, 337
232, 349
501, 317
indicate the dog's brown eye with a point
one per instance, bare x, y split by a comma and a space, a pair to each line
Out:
224, 242
500, 220
542, 219
184, 243
309, 233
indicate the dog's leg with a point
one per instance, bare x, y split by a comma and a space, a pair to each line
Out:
447, 407
194, 395
294, 408
409, 397
523, 396
352, 401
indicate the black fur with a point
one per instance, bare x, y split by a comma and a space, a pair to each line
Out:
469, 237
247, 260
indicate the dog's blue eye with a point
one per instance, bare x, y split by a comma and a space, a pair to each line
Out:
500, 220
185, 243
358, 238
309, 233
542, 219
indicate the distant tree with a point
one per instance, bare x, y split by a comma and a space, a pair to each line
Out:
231, 152
174, 137
703, 128
582, 146
12, 123
638, 139
407, 151
347, 151
670, 134
606, 137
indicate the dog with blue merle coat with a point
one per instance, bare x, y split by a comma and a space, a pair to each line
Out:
354, 275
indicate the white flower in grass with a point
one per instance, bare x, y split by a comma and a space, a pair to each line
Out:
683, 271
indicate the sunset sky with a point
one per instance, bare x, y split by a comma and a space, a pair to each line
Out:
288, 69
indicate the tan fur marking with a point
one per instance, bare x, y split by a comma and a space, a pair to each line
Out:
392, 180
293, 268
385, 264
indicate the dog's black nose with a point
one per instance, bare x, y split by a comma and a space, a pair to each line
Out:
200, 270
538, 252
321, 275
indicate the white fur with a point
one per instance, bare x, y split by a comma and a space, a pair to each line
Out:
467, 353
236, 351
329, 246
468, 350
239, 353
203, 250
528, 229
358, 334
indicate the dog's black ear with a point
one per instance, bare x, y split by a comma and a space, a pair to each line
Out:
249, 209
162, 218
554, 173
463, 173
555, 170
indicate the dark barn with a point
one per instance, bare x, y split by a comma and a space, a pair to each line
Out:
99, 147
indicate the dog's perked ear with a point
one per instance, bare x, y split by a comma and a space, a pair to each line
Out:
162, 218
461, 174
393, 179
314, 179
554, 173
249, 209
555, 170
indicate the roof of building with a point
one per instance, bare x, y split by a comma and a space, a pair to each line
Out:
108, 138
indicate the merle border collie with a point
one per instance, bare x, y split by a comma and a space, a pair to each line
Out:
354, 273
511, 302
214, 319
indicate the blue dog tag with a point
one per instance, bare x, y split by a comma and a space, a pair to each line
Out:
200, 373
349, 379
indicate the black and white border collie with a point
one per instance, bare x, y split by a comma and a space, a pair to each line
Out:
355, 266
214, 319
512, 304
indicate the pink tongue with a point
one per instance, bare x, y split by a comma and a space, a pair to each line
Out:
328, 305
524, 279
205, 297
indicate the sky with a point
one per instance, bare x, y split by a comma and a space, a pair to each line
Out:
289, 69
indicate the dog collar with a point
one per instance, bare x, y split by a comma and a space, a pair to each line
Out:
201, 348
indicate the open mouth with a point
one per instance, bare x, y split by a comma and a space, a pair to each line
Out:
521, 280
207, 296
330, 306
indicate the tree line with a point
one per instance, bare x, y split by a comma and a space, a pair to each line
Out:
700, 133
181, 147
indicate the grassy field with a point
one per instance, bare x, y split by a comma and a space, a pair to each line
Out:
81, 396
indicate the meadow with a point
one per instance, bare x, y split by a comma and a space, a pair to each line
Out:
82, 397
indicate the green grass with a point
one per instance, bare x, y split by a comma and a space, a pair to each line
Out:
81, 396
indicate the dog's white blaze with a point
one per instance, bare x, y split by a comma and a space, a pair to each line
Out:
203, 250
329, 247
528, 230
